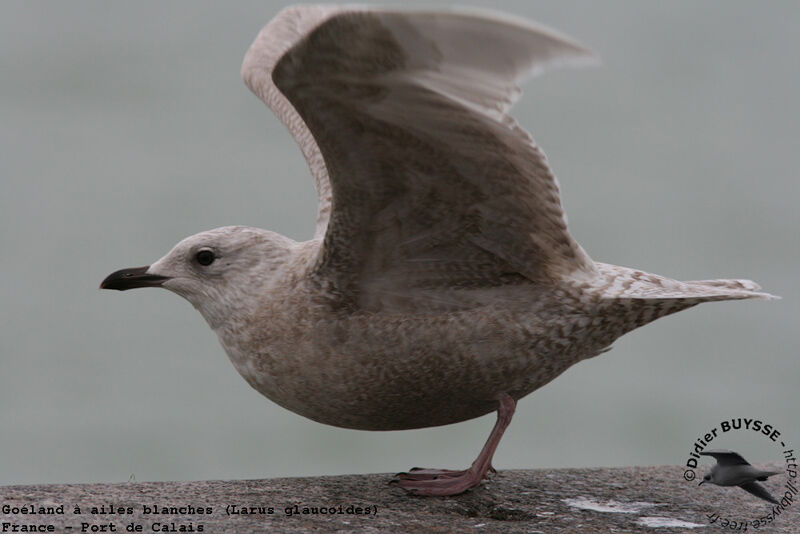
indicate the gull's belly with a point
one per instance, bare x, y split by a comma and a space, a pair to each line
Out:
384, 372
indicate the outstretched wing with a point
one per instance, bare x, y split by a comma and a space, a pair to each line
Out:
424, 180
725, 457
759, 491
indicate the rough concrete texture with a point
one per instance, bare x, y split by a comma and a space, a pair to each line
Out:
624, 500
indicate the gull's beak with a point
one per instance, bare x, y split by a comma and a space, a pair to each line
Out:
132, 278
701, 482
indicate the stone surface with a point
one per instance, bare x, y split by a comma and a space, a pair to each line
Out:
539, 501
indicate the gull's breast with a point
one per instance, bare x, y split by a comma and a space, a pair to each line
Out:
383, 371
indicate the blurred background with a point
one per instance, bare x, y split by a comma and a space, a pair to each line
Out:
125, 127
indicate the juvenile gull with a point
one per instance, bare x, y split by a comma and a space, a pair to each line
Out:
732, 469
442, 283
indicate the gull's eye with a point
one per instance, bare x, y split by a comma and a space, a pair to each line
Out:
205, 256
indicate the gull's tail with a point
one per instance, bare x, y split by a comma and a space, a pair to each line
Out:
638, 297
616, 282
725, 289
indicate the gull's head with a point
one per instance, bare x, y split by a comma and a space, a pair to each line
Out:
218, 271
708, 478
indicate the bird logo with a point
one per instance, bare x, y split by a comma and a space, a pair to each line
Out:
732, 469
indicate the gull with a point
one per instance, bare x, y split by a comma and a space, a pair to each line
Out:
732, 469
441, 283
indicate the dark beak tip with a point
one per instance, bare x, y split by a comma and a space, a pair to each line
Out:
105, 284
132, 278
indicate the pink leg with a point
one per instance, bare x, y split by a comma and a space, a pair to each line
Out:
443, 482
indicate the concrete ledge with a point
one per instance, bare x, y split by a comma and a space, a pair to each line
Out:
545, 501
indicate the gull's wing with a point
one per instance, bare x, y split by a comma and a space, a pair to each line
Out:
277, 37
725, 457
759, 491
423, 179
